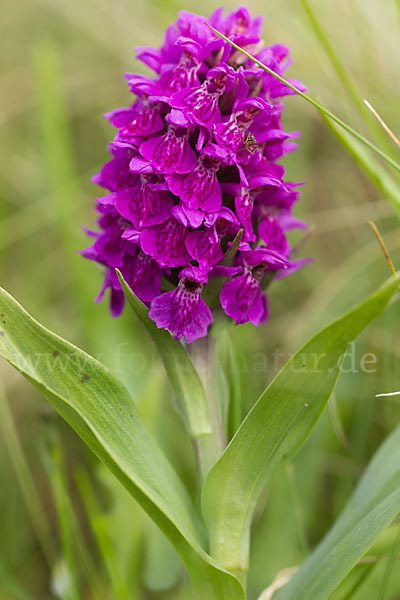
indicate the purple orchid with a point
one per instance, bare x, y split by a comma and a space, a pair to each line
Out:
166, 243
171, 152
200, 188
196, 196
200, 104
145, 204
242, 297
183, 310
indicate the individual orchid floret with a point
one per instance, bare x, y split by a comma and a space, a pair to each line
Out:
171, 152
148, 203
200, 104
201, 188
183, 311
242, 297
198, 210
166, 243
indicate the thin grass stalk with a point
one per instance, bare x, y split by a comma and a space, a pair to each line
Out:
375, 171
30, 494
59, 165
74, 548
316, 104
389, 568
343, 75
99, 527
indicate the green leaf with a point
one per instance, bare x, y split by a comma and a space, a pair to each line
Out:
228, 259
185, 381
374, 504
276, 426
99, 408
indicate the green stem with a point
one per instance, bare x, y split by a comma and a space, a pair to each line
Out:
317, 105
205, 453
203, 355
186, 383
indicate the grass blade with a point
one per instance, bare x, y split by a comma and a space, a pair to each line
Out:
373, 505
316, 104
342, 73
99, 527
378, 175
55, 469
32, 499
60, 168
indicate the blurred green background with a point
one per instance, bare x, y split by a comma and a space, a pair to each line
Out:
67, 529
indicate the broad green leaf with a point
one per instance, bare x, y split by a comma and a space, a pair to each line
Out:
276, 426
99, 408
185, 381
374, 504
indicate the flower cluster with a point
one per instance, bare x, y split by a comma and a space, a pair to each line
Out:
197, 208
